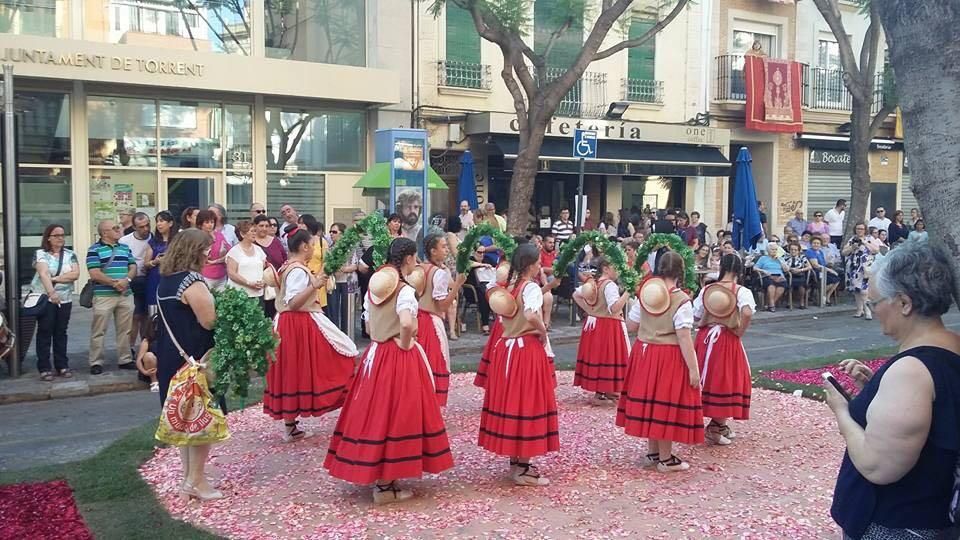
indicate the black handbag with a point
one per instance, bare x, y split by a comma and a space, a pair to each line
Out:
86, 294
34, 303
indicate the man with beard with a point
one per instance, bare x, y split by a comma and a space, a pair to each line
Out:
409, 206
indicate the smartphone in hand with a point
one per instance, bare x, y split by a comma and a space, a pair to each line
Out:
827, 376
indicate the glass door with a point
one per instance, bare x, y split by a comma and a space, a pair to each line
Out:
181, 190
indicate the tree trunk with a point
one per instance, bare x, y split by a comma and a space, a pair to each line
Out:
860, 137
523, 181
924, 42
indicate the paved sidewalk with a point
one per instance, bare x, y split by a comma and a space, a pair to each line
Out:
28, 387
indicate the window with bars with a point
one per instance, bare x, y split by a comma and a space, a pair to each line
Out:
562, 55
462, 67
641, 83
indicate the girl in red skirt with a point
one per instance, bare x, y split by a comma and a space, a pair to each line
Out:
435, 299
724, 309
604, 346
390, 426
519, 417
315, 360
496, 330
661, 392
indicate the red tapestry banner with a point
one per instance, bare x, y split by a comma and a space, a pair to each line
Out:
773, 95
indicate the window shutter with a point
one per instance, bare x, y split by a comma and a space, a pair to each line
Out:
567, 47
463, 41
641, 60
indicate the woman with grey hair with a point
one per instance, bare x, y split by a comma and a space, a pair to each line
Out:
903, 429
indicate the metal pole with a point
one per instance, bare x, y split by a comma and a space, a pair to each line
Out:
351, 322
10, 218
580, 211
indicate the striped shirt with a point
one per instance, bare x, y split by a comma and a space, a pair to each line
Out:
562, 230
99, 254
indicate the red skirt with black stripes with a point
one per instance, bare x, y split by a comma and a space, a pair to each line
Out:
724, 373
437, 349
309, 377
657, 401
496, 330
390, 426
602, 355
519, 416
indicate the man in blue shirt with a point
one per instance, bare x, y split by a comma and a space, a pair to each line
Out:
112, 267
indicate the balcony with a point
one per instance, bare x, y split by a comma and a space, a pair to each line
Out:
643, 91
586, 99
822, 88
457, 74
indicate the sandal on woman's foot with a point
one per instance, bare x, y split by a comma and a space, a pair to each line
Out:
727, 432
674, 464
389, 493
293, 433
46, 376
650, 460
528, 475
65, 373
714, 435
155, 387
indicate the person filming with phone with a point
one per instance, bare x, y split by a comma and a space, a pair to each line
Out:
902, 430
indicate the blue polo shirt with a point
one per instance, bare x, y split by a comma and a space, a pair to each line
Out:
97, 257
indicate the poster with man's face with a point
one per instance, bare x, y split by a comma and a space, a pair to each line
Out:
410, 177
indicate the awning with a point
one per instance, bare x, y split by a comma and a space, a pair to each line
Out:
378, 177
623, 157
832, 141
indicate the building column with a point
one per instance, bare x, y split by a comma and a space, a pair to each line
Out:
80, 175
258, 46
259, 152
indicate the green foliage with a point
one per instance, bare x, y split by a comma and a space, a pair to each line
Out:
470, 241
674, 243
512, 15
243, 342
611, 250
373, 225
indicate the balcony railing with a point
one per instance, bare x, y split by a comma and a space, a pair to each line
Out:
586, 99
643, 91
822, 88
464, 74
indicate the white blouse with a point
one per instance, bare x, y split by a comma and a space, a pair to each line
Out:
406, 300
441, 284
610, 293
683, 318
296, 281
744, 298
532, 297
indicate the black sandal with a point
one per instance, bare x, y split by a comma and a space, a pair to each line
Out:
66, 373
389, 493
295, 434
46, 376
528, 475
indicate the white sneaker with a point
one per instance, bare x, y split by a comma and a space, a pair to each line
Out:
155, 387
715, 436
674, 464
526, 474
728, 432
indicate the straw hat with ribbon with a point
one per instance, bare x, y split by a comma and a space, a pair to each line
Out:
417, 278
719, 300
383, 284
589, 292
502, 302
654, 296
502, 272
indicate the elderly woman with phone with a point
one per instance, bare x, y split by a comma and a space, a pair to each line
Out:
903, 429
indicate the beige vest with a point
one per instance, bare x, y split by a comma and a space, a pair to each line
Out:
732, 321
659, 329
310, 305
383, 319
426, 300
518, 325
600, 308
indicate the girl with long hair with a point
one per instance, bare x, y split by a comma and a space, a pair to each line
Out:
315, 360
724, 309
166, 229
604, 346
661, 392
435, 300
390, 427
519, 416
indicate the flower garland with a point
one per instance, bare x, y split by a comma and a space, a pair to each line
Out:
470, 241
612, 250
243, 342
374, 225
674, 243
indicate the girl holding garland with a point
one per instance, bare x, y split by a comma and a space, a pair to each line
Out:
724, 309
496, 329
604, 345
661, 393
315, 360
435, 300
519, 417
390, 426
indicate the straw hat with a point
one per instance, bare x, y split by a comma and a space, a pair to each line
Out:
589, 292
719, 301
270, 277
383, 284
654, 296
417, 278
502, 272
502, 302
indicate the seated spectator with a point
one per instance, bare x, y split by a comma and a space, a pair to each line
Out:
897, 231
919, 232
818, 261
805, 239
818, 226
702, 257
799, 269
727, 248
771, 269
831, 252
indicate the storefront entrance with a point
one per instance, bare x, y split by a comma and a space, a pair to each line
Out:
181, 190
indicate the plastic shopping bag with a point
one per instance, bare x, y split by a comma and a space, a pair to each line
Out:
190, 416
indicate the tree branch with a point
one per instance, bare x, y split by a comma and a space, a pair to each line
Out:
554, 36
830, 10
494, 35
870, 66
519, 104
515, 59
636, 42
880, 118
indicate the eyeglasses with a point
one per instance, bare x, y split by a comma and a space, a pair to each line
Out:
116, 227
259, 211
881, 211
334, 231
818, 215
872, 304
274, 225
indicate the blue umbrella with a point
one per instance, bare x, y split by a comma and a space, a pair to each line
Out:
466, 188
746, 215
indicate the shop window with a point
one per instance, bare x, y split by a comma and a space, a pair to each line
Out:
315, 140
323, 31
199, 25
238, 140
113, 190
190, 135
304, 191
43, 128
122, 131
34, 18
44, 199
239, 195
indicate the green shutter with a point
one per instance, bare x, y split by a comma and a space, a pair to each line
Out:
545, 21
641, 60
463, 41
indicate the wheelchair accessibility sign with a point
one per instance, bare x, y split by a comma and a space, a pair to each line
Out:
584, 143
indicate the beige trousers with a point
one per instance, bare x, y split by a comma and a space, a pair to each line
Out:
121, 309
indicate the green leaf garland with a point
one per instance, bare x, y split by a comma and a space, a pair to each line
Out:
612, 250
470, 241
244, 341
675, 243
374, 225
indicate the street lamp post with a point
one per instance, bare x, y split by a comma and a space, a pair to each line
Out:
12, 280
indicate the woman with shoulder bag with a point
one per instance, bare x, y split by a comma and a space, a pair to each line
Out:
57, 270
